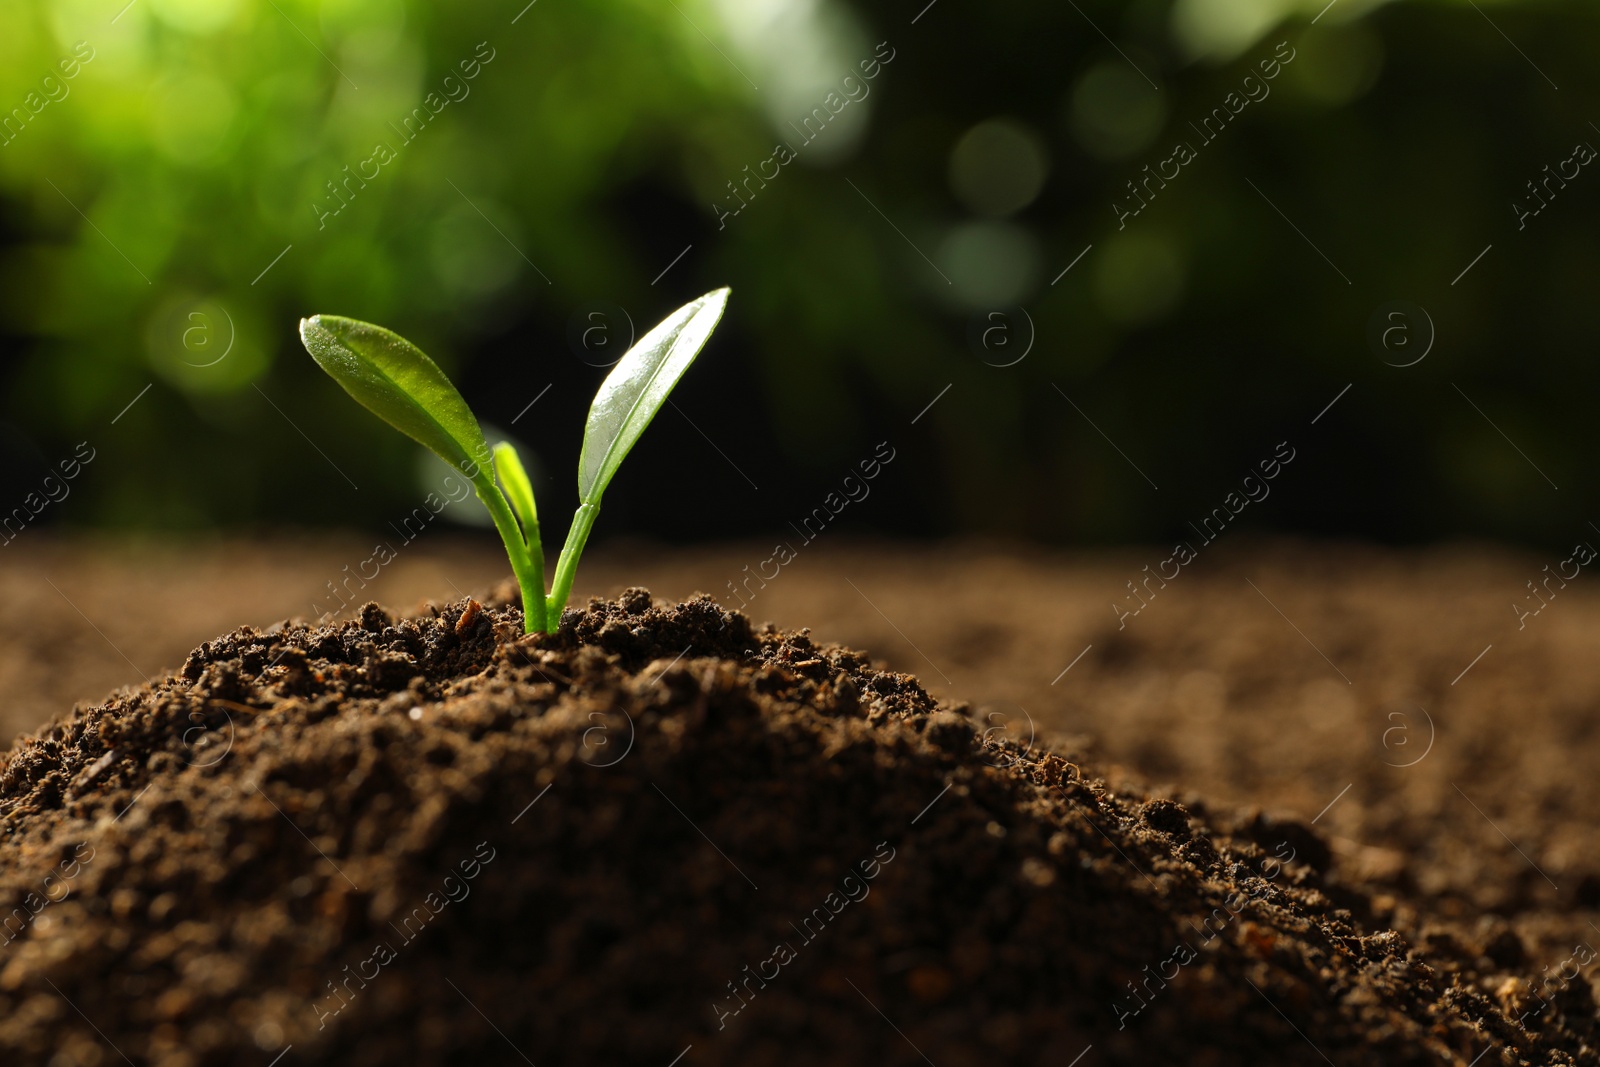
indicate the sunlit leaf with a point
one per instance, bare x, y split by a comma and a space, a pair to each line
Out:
395, 380
637, 387
508, 465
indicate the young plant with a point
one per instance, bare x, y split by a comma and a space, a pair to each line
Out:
396, 381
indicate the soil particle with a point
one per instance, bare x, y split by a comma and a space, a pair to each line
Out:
1167, 817
663, 832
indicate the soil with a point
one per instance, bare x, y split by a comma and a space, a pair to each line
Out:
664, 835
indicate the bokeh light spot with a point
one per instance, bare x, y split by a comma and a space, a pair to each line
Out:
1221, 29
1139, 278
1114, 113
990, 263
189, 115
469, 257
1338, 64
998, 167
196, 16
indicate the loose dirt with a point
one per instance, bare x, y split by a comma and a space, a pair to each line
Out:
666, 833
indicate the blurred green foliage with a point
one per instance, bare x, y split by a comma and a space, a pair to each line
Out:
220, 168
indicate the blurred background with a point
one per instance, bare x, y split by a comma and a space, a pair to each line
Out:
1089, 272
1316, 276
972, 234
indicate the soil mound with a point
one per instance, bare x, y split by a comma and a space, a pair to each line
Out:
663, 836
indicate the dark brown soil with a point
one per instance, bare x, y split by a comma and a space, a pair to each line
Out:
662, 834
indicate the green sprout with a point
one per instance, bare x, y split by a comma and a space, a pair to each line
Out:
395, 380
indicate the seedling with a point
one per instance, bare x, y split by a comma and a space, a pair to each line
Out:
395, 380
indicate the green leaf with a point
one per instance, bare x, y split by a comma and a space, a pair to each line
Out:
637, 387
395, 380
518, 489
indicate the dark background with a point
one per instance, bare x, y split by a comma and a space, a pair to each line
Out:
986, 157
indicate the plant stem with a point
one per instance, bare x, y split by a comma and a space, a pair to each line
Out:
528, 567
535, 545
567, 563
